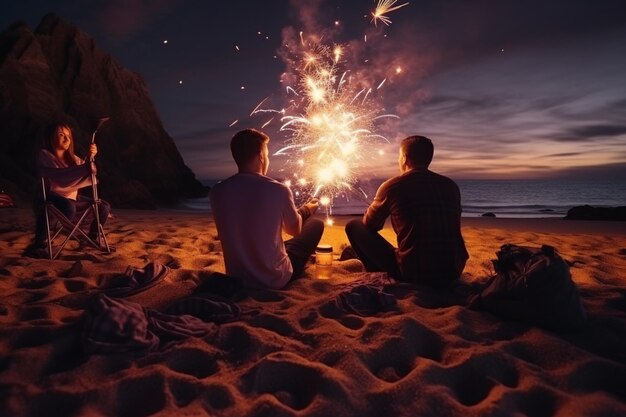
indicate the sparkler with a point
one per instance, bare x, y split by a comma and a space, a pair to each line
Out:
384, 7
330, 120
331, 125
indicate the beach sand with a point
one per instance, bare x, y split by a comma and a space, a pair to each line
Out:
293, 352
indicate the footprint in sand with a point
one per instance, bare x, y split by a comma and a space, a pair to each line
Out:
139, 397
35, 296
36, 284
309, 320
183, 391
33, 336
301, 381
273, 323
352, 322
395, 357
194, 362
236, 340
593, 376
34, 313
201, 262
535, 402
74, 285
391, 361
63, 403
217, 397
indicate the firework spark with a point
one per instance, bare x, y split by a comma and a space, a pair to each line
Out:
331, 127
383, 8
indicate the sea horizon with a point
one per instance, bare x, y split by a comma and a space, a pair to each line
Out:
507, 198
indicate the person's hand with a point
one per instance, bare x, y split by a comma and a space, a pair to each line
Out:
312, 205
93, 150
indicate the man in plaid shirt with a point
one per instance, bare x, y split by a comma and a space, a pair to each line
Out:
425, 211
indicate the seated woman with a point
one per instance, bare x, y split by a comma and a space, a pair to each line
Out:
65, 174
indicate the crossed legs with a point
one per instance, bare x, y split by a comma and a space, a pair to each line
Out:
373, 250
300, 247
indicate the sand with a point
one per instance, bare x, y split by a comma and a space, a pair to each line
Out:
293, 352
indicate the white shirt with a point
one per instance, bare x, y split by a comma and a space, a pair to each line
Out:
249, 212
63, 180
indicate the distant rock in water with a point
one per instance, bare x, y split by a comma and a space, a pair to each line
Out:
57, 73
596, 213
488, 214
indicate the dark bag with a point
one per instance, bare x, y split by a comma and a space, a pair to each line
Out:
534, 286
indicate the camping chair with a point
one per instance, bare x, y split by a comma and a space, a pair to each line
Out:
72, 229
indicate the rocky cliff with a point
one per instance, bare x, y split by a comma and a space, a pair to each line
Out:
57, 73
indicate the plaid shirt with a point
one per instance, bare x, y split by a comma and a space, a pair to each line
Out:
425, 210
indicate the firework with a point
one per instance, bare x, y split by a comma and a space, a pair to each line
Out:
383, 8
331, 127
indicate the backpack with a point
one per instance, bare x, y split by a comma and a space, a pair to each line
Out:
533, 286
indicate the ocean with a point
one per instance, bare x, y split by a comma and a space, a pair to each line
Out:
504, 198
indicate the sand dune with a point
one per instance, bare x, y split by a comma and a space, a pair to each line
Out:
295, 352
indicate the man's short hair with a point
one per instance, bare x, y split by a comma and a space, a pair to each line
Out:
246, 144
418, 150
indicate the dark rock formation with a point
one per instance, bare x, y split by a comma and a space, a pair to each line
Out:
488, 214
596, 213
57, 73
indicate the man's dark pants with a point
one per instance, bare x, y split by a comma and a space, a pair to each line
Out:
300, 248
373, 250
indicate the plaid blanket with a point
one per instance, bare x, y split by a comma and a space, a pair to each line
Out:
114, 325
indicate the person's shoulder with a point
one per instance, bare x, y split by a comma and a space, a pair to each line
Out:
220, 185
443, 179
392, 182
46, 158
275, 185
45, 153
249, 180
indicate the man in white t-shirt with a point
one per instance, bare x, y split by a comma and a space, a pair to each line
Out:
251, 211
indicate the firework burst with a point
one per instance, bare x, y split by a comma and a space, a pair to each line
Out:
331, 125
383, 8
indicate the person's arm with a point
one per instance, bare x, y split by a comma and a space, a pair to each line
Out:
308, 209
376, 214
73, 177
292, 221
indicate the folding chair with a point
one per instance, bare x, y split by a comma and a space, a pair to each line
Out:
72, 229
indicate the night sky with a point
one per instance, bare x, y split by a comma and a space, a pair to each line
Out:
506, 89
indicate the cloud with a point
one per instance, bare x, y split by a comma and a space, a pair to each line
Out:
612, 172
563, 155
589, 132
